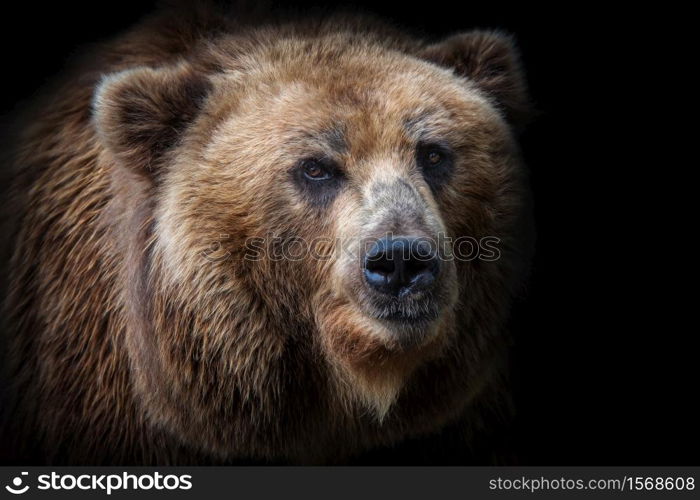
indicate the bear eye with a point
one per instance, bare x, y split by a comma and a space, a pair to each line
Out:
434, 157
318, 179
435, 161
315, 170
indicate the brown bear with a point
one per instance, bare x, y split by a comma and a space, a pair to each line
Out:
239, 240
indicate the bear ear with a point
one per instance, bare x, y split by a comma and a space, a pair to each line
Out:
491, 60
141, 113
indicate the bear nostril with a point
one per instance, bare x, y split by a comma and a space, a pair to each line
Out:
400, 266
415, 268
380, 265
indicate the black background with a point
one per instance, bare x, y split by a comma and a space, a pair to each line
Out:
604, 367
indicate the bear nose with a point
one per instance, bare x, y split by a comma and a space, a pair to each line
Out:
401, 265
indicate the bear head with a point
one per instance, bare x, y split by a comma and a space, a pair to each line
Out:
319, 226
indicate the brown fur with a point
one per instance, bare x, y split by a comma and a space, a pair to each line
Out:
127, 346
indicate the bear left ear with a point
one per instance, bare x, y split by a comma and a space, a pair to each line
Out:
141, 113
491, 60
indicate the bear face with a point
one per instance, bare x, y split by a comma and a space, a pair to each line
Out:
284, 217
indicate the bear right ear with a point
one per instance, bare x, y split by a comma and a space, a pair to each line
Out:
491, 60
141, 113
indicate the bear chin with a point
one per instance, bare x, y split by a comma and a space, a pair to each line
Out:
373, 358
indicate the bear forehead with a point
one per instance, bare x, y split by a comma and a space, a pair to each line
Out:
355, 106
379, 81
343, 70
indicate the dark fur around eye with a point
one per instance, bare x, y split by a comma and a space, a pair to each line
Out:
436, 162
318, 179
